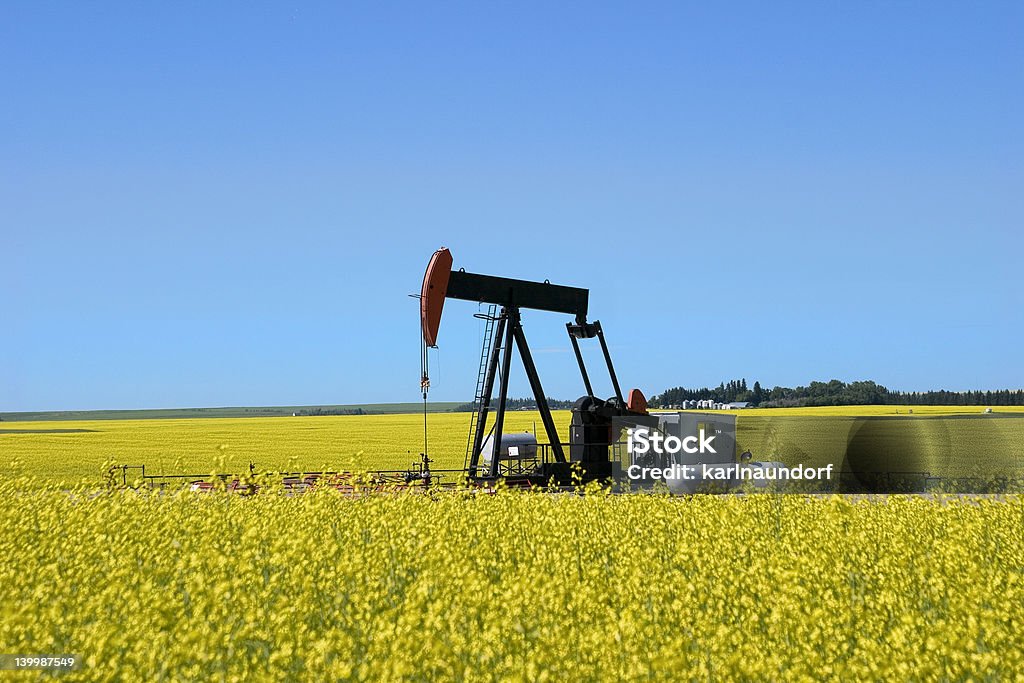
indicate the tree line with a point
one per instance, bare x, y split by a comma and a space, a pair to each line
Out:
518, 404
330, 411
833, 393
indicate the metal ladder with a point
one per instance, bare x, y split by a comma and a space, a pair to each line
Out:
481, 377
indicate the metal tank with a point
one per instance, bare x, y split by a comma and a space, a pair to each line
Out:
517, 452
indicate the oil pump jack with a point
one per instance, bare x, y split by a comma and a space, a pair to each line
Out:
591, 428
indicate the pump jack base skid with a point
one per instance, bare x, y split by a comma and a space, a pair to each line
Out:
560, 474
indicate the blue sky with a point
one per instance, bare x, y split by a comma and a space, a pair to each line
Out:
228, 204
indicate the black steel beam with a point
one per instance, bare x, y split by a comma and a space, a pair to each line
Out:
541, 296
579, 359
608, 360
499, 418
538, 390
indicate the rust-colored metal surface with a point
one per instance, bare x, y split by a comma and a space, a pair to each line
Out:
635, 402
435, 287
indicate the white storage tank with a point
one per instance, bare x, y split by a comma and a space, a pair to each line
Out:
517, 446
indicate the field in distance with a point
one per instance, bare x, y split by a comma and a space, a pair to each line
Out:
74, 450
946, 441
239, 411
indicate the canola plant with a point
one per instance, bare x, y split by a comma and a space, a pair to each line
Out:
512, 586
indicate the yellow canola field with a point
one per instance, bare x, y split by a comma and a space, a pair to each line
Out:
74, 451
203, 445
529, 587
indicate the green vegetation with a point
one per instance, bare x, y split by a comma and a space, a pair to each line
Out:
834, 393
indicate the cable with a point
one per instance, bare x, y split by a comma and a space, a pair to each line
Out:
424, 386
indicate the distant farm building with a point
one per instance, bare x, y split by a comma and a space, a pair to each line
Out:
709, 404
